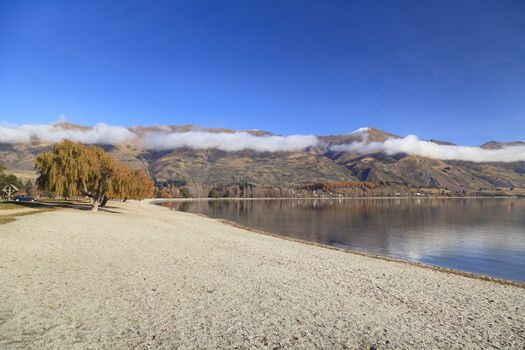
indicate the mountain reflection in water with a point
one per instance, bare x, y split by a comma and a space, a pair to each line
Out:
485, 236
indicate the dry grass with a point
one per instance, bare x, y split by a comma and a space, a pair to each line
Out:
10, 218
6, 205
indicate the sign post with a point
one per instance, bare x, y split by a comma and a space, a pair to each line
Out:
10, 190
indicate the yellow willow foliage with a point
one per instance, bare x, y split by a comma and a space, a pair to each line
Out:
72, 169
63, 169
141, 185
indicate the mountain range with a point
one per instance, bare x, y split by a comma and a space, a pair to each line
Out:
323, 161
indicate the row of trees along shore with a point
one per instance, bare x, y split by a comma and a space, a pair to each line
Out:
72, 169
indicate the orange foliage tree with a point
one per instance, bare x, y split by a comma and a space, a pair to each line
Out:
333, 185
73, 169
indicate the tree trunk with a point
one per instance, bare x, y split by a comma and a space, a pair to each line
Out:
94, 208
104, 202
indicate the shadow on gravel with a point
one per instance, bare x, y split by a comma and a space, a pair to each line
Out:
70, 204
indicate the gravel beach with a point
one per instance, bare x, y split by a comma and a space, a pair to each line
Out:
145, 277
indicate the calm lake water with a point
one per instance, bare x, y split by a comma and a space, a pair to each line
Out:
485, 236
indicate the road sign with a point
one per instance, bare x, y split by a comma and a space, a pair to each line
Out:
10, 190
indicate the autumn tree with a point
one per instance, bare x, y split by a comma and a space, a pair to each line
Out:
141, 186
73, 169
64, 169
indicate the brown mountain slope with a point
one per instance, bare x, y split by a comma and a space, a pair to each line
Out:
500, 145
269, 169
209, 167
370, 134
419, 171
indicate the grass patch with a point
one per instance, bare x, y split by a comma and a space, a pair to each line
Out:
41, 203
6, 205
7, 219
21, 205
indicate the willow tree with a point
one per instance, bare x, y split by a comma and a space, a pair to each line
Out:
128, 184
73, 169
138, 186
64, 169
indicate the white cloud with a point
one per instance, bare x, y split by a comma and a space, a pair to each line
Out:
412, 145
238, 141
226, 141
161, 140
56, 132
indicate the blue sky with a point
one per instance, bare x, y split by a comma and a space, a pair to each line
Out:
452, 70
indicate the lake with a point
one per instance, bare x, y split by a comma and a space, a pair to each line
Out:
484, 236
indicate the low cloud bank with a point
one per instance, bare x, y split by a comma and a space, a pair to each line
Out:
238, 141
160, 140
412, 145
100, 134
229, 142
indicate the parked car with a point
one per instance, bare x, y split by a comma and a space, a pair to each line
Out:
24, 199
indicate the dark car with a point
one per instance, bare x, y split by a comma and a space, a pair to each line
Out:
24, 199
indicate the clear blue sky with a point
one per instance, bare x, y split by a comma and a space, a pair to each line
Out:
453, 70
